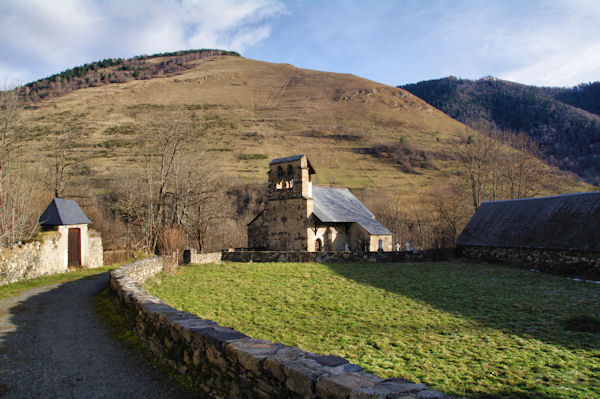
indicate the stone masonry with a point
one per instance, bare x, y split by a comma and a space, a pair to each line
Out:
581, 264
48, 255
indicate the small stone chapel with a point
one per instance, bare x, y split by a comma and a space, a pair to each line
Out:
301, 217
75, 247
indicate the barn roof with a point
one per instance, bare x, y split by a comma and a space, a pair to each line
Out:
339, 205
61, 212
569, 221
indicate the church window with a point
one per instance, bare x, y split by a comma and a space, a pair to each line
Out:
290, 176
279, 179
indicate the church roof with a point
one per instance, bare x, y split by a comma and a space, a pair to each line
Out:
339, 205
61, 212
293, 158
560, 222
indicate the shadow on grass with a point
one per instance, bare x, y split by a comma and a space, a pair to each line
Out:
515, 301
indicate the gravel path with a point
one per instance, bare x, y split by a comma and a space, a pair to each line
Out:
53, 346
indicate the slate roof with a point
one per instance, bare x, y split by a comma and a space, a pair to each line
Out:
339, 205
61, 212
569, 221
292, 158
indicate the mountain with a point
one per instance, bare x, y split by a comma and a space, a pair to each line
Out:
585, 96
397, 153
248, 112
569, 136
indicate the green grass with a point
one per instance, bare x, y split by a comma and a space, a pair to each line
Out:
465, 329
13, 289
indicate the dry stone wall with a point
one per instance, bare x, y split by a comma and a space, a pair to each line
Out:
33, 259
582, 264
192, 256
337, 257
228, 364
45, 256
96, 253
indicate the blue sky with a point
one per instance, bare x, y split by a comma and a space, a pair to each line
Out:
549, 43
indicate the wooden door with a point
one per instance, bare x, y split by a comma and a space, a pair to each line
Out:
318, 245
74, 247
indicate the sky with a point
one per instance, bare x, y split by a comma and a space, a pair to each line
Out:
536, 42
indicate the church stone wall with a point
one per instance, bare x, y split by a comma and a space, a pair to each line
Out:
257, 234
284, 222
386, 242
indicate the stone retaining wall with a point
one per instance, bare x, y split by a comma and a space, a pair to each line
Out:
192, 256
228, 364
579, 264
337, 257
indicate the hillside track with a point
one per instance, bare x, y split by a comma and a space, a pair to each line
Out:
52, 345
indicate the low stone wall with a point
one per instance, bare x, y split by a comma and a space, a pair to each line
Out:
228, 364
192, 256
337, 257
45, 256
30, 260
96, 253
579, 264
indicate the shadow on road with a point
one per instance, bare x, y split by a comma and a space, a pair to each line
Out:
53, 345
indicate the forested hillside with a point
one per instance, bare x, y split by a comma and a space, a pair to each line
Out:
569, 136
585, 96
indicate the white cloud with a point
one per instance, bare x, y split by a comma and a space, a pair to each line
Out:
541, 43
40, 37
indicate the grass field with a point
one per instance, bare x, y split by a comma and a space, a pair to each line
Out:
465, 329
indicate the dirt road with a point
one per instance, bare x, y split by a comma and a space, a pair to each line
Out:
52, 345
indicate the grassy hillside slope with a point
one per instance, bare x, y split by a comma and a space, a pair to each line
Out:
249, 112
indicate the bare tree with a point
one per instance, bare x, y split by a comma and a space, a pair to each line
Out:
18, 217
17, 193
477, 155
177, 191
522, 169
9, 110
451, 207
60, 163
500, 165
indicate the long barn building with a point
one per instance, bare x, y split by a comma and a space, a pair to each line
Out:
558, 234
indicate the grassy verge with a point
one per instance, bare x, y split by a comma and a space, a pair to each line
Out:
465, 329
13, 289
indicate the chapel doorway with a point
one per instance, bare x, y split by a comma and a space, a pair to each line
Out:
318, 245
74, 248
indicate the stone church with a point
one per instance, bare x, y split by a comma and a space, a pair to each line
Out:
301, 217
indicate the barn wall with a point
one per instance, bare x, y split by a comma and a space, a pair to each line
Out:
581, 264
